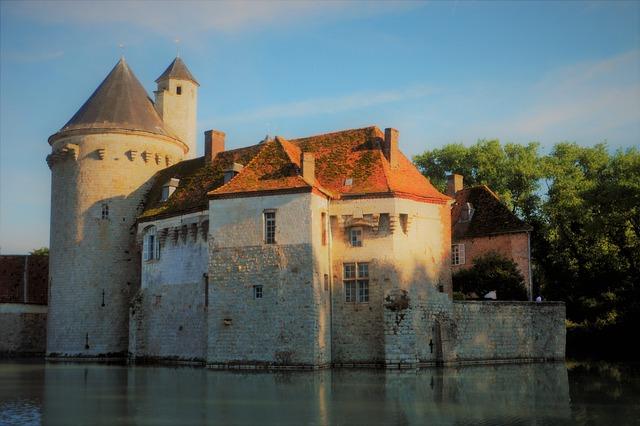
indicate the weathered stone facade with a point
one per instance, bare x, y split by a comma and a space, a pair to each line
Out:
320, 251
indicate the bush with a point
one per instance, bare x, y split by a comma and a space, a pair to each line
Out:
491, 272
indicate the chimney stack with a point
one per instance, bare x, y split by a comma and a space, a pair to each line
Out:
390, 146
308, 163
454, 184
213, 144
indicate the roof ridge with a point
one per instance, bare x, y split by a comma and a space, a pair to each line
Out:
335, 133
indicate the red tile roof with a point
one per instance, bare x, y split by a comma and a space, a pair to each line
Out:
274, 166
348, 163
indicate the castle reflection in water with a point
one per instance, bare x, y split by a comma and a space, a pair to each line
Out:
113, 394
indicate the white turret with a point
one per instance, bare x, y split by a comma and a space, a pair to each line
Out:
177, 101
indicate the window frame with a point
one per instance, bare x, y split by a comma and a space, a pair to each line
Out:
355, 279
356, 230
269, 220
258, 291
458, 256
105, 211
150, 244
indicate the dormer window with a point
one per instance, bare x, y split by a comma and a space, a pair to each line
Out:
169, 188
467, 212
232, 171
179, 90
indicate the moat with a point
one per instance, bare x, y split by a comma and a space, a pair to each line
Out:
33, 393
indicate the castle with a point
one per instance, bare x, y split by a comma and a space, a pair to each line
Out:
325, 250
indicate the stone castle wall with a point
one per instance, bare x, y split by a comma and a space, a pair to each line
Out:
94, 264
443, 332
285, 326
414, 255
22, 329
167, 319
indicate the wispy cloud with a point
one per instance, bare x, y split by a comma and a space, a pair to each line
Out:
31, 57
326, 105
187, 17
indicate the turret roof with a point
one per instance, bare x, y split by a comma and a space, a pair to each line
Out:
177, 70
119, 102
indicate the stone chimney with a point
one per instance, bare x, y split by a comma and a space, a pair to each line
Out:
308, 164
390, 146
454, 184
213, 144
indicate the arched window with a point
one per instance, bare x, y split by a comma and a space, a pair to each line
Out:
150, 244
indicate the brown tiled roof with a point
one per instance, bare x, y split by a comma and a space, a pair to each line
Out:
274, 166
120, 102
350, 154
178, 70
490, 216
197, 177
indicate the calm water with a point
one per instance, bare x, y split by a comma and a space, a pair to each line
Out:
531, 394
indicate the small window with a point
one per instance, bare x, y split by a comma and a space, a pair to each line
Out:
404, 222
270, 227
348, 182
257, 292
105, 211
151, 245
356, 282
457, 254
383, 222
323, 228
179, 90
355, 237
326, 282
467, 212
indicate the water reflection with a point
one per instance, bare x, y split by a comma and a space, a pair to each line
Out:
70, 394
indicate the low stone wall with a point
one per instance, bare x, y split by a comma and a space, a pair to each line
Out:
509, 330
23, 329
444, 332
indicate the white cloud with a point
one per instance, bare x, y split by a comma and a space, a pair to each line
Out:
326, 105
187, 17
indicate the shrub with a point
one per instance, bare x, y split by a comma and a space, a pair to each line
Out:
491, 272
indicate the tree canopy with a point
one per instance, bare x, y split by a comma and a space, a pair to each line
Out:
584, 206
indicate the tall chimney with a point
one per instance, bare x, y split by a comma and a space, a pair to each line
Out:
213, 144
454, 184
308, 163
390, 146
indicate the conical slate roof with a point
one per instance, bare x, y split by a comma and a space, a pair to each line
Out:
120, 102
177, 70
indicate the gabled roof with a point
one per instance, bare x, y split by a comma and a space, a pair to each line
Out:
177, 70
490, 215
197, 177
274, 166
348, 163
119, 102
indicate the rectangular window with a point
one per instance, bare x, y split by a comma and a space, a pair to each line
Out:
105, 211
356, 282
257, 292
270, 227
149, 244
323, 218
457, 254
326, 282
179, 90
355, 237
404, 222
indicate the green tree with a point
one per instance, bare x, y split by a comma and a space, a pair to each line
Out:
42, 251
491, 272
513, 171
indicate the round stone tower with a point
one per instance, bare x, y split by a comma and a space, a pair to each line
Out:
102, 162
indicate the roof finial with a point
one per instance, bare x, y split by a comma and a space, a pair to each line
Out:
177, 42
121, 47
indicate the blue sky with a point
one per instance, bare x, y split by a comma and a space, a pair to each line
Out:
440, 72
